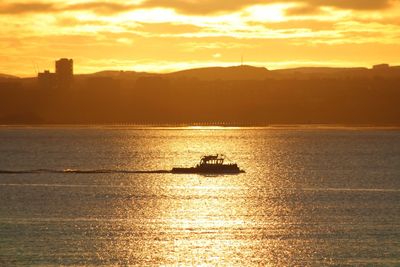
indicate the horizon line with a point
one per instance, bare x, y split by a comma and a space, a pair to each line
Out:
200, 66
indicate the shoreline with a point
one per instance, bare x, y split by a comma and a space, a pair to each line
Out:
207, 127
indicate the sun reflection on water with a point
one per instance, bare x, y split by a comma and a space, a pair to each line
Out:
212, 220
204, 222
307, 198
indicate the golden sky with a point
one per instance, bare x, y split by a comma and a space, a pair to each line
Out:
168, 35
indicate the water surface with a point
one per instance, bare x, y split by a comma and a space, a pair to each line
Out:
308, 197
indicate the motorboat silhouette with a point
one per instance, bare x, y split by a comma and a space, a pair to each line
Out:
211, 164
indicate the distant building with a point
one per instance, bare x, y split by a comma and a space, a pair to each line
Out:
381, 67
64, 72
62, 78
46, 79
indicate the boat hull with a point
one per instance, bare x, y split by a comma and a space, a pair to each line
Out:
208, 170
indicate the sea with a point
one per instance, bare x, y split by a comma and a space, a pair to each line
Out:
311, 196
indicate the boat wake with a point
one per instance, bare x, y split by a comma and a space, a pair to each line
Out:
209, 165
72, 171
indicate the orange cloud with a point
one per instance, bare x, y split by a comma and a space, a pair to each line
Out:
172, 34
185, 6
212, 6
105, 8
20, 8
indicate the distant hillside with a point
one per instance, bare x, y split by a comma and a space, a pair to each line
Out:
335, 73
241, 95
247, 73
222, 73
8, 76
117, 74
240, 73
206, 74
316, 70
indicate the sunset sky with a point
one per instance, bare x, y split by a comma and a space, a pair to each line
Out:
168, 35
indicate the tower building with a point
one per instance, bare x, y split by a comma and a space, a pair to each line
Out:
64, 72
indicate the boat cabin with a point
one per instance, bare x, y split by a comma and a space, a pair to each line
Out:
212, 160
211, 164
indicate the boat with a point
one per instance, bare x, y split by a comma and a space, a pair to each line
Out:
211, 164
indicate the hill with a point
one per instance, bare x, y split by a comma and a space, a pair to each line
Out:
234, 73
6, 76
247, 73
116, 74
318, 70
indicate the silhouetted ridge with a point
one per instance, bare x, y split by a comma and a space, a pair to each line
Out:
7, 76
117, 74
223, 73
241, 95
323, 70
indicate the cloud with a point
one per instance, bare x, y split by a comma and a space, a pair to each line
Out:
299, 24
303, 10
73, 22
198, 7
212, 6
353, 4
202, 6
104, 8
165, 28
19, 8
